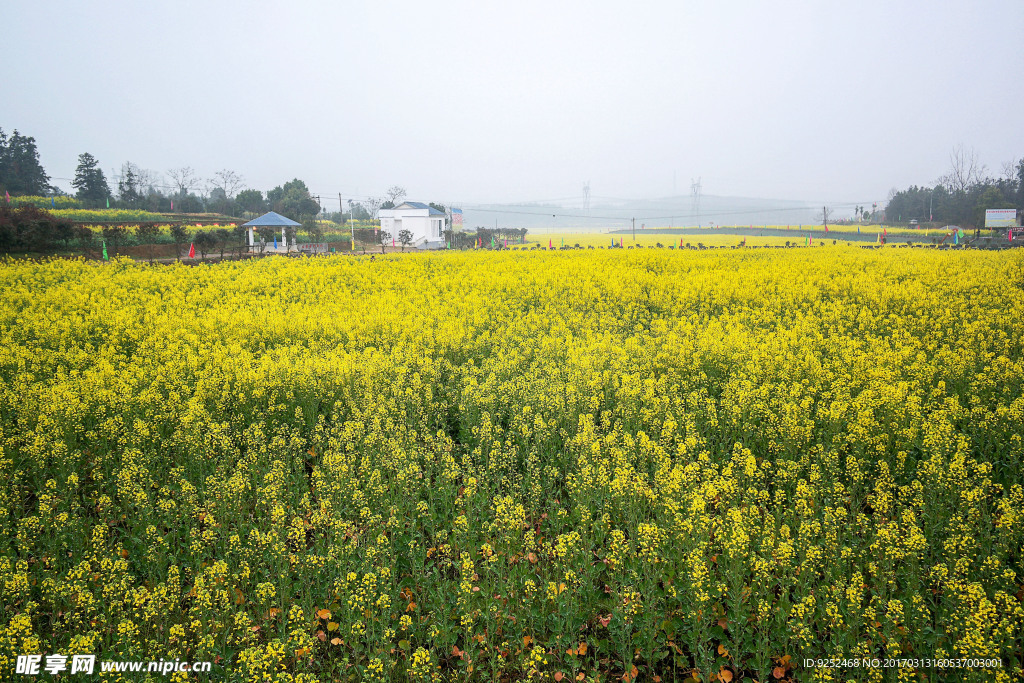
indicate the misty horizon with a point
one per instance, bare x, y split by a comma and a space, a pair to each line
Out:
464, 104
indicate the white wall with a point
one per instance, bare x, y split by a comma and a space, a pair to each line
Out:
423, 226
418, 226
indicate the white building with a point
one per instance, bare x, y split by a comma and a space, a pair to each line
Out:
424, 222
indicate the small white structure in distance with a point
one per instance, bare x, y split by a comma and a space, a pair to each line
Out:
424, 222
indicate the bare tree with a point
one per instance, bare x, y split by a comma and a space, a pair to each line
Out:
147, 181
964, 170
185, 179
228, 181
1009, 170
210, 190
395, 194
372, 205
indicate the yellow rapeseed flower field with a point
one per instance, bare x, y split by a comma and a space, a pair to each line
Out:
598, 240
586, 465
777, 235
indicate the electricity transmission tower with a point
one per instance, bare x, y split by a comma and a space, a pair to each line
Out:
695, 199
586, 197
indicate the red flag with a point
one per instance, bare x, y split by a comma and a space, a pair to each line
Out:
192, 250
392, 241
550, 245
826, 229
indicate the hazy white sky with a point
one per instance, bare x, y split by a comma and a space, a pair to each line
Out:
473, 102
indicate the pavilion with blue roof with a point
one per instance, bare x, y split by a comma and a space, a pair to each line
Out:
271, 219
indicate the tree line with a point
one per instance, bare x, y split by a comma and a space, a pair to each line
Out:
179, 190
962, 195
182, 190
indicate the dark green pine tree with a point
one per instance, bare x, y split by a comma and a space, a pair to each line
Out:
90, 182
20, 170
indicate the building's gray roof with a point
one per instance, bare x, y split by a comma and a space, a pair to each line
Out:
421, 205
271, 219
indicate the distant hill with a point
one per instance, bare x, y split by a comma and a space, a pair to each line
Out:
662, 212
